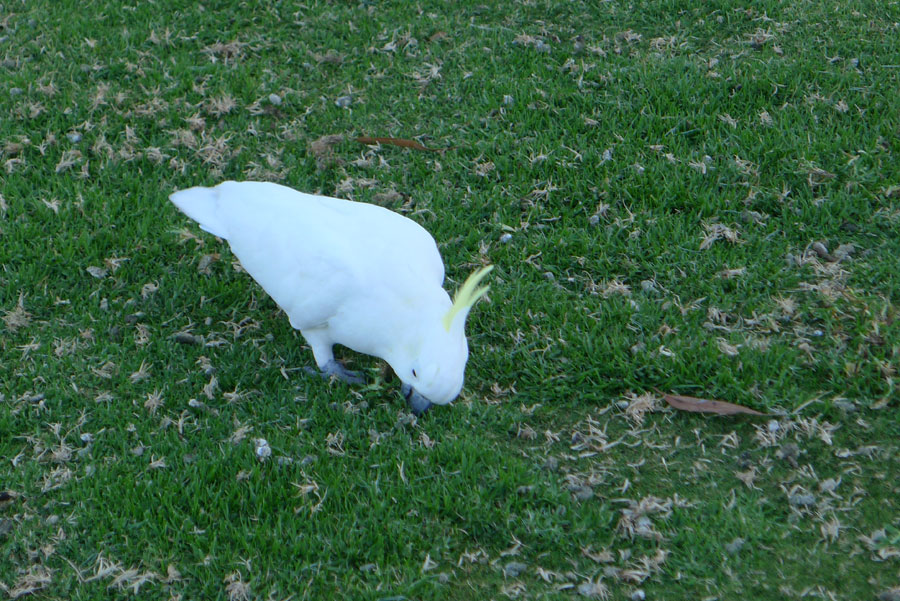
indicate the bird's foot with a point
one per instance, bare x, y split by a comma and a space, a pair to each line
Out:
333, 369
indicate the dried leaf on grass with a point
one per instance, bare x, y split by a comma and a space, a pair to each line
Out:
695, 405
18, 317
236, 588
323, 150
34, 580
402, 142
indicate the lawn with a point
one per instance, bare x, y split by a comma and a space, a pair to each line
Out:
678, 197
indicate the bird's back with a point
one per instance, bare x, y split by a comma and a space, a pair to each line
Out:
307, 251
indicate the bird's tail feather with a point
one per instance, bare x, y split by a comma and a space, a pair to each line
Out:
202, 205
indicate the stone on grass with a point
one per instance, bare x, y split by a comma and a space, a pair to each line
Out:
513, 569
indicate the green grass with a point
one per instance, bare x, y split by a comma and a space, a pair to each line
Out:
633, 166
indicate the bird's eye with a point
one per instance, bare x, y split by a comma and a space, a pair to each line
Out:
415, 375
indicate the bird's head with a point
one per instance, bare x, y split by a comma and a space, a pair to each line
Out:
434, 363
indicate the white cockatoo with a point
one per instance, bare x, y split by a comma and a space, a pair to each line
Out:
348, 273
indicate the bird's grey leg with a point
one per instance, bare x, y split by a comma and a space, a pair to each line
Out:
334, 369
329, 367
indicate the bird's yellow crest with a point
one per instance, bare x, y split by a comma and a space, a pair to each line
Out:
467, 295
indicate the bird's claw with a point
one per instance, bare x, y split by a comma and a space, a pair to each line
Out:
333, 369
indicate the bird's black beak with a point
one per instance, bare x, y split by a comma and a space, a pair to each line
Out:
417, 403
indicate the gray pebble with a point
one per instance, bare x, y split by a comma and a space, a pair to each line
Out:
820, 249
74, 137
6, 526
846, 406
508, 100
584, 493
843, 252
262, 448
186, 338
275, 99
135, 317
788, 452
343, 101
594, 219
579, 43
513, 569
752, 217
15, 91
505, 238
638, 595
802, 500
734, 546
308, 460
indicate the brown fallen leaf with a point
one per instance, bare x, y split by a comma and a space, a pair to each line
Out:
323, 150
398, 142
695, 405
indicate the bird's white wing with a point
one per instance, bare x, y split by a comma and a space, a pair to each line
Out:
312, 252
